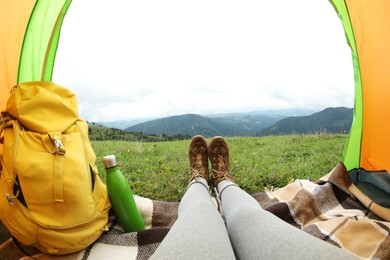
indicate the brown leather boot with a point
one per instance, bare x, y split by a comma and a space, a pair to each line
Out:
219, 157
198, 156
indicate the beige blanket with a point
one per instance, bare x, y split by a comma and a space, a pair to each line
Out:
326, 209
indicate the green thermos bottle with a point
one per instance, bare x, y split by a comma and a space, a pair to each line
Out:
121, 197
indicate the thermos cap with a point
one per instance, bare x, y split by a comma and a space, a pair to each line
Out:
109, 161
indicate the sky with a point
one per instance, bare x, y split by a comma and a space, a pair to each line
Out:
129, 59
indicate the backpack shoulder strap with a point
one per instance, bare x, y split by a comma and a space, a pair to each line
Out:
8, 121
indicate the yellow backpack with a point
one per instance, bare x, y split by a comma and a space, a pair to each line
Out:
51, 196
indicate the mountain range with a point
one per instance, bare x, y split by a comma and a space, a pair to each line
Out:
330, 120
192, 124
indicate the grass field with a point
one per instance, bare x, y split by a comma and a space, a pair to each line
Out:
159, 170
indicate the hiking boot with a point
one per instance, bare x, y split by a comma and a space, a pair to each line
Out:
219, 157
198, 156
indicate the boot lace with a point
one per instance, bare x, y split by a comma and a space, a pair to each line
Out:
199, 169
221, 172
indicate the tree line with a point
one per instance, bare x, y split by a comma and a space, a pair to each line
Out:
97, 132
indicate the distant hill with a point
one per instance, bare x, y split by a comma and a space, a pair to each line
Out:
98, 132
123, 124
237, 124
330, 120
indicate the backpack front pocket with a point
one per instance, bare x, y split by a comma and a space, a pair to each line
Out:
56, 187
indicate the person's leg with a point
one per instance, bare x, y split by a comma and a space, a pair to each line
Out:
199, 232
254, 232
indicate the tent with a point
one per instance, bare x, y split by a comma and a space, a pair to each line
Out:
366, 152
29, 35
30, 30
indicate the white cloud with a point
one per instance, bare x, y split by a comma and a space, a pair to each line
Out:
133, 59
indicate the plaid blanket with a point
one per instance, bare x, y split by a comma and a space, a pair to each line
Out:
326, 209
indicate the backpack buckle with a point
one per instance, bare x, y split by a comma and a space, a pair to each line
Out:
59, 147
10, 199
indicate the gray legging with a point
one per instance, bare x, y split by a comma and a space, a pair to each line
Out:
250, 232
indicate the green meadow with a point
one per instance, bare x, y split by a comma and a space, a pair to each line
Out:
160, 170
